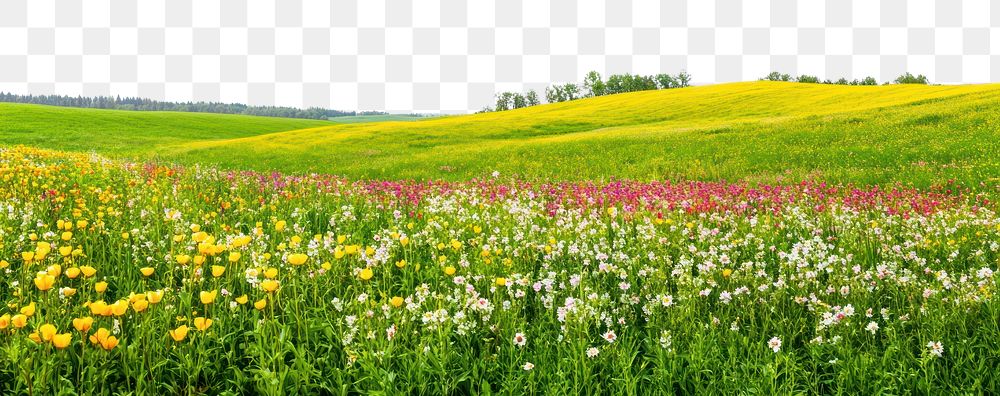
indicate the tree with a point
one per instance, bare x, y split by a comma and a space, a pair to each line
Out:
910, 79
666, 81
505, 101
519, 101
808, 79
684, 79
775, 76
593, 85
532, 98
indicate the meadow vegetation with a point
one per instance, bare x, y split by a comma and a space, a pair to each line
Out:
758, 131
123, 277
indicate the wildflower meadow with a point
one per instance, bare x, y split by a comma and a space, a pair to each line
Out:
123, 277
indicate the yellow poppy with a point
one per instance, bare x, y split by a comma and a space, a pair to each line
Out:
147, 271
87, 271
218, 270
297, 258
62, 340
260, 304
202, 324
140, 305
208, 297
179, 333
396, 301
83, 324
366, 274
44, 281
269, 285
46, 331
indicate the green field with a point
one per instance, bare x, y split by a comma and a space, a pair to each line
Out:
757, 131
378, 118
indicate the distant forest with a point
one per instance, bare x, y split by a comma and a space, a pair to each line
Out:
141, 104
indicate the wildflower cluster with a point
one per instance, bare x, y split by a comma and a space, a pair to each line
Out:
121, 277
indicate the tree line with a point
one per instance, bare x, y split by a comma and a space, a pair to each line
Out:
592, 85
142, 104
906, 78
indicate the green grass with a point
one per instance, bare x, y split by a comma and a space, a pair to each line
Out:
378, 118
758, 131
131, 133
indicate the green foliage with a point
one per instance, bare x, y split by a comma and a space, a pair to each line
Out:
143, 104
911, 79
776, 131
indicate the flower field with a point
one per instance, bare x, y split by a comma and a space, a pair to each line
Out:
122, 277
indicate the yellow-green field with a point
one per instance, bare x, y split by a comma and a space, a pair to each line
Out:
758, 131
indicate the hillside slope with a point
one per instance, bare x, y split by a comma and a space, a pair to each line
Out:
756, 130
127, 132
760, 131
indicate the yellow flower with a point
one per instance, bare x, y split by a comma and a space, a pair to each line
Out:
269, 285
87, 271
119, 307
54, 270
67, 236
44, 281
280, 225
727, 272
501, 281
218, 270
27, 256
396, 301
400, 263
297, 259
154, 296
100, 308
242, 299
199, 260
28, 310
62, 340
101, 286
67, 291
260, 304
19, 321
72, 273
366, 274
182, 259
179, 333
35, 337
140, 305
65, 250
326, 265
83, 324
449, 270
4, 264
208, 297
4, 321
104, 339
202, 324
234, 257
271, 273
46, 331
147, 271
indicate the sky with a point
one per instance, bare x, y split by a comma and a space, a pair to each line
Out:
452, 56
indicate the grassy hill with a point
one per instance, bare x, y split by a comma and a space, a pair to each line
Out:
761, 131
133, 133
378, 118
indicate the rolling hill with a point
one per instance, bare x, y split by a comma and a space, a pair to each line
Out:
758, 131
